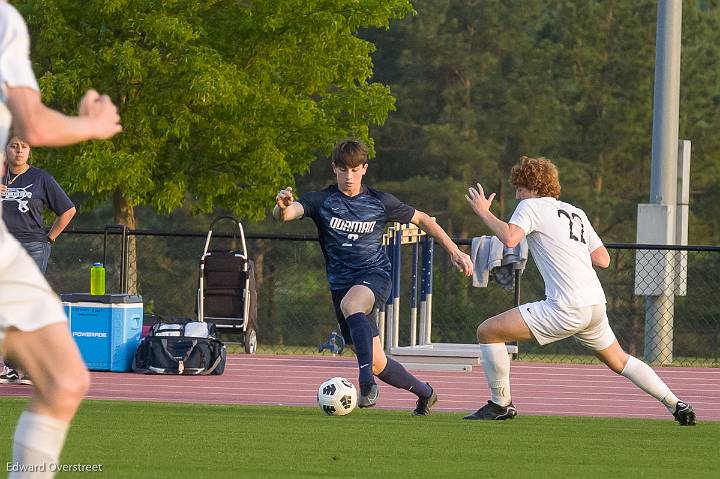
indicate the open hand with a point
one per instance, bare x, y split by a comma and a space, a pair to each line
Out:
477, 200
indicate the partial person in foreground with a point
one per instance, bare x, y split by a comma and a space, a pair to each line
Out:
33, 328
350, 219
26, 191
565, 248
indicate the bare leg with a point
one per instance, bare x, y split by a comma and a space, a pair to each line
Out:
359, 299
50, 356
379, 359
507, 326
60, 381
614, 357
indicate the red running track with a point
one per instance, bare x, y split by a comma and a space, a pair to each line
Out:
537, 389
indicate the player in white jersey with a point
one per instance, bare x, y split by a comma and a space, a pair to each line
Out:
33, 328
565, 248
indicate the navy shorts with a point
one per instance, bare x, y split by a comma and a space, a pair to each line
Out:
378, 283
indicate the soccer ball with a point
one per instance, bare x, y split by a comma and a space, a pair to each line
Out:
337, 396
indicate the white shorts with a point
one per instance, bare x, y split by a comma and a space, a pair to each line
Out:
27, 302
549, 323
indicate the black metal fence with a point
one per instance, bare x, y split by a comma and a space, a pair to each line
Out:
662, 303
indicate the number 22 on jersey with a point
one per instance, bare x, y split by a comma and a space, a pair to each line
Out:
575, 223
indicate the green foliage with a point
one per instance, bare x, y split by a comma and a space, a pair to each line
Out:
222, 102
480, 83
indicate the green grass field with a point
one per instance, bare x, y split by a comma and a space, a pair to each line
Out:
141, 439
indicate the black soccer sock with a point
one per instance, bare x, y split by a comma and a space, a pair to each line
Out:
362, 338
396, 375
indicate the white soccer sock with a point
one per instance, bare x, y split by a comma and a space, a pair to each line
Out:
496, 366
646, 379
37, 444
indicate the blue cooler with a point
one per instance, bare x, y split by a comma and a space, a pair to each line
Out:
105, 327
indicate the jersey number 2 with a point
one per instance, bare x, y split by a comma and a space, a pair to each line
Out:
571, 222
351, 237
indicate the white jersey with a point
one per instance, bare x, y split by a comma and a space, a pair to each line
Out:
15, 71
561, 238
15, 66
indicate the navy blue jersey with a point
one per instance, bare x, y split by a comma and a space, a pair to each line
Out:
351, 230
26, 198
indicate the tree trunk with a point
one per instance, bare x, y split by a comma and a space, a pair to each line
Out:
597, 187
259, 258
125, 215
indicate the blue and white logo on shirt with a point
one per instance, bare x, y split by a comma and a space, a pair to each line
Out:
19, 195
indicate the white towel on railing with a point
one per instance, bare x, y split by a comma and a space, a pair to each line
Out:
492, 259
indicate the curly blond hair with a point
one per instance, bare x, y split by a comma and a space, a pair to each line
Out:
539, 174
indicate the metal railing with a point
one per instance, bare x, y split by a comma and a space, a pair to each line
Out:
295, 311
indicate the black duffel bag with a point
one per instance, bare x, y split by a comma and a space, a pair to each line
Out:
180, 349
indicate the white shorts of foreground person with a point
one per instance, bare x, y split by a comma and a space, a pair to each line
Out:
27, 302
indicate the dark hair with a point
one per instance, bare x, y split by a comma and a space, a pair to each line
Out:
9, 140
349, 154
11, 135
539, 174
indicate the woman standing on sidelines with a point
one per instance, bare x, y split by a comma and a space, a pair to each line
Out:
26, 191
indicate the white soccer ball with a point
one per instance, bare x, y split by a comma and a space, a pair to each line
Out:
337, 397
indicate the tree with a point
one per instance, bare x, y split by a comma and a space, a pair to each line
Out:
222, 101
479, 83
461, 71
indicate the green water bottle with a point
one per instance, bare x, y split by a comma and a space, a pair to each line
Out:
97, 279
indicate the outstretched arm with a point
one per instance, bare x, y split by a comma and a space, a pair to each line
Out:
461, 260
509, 234
286, 209
39, 125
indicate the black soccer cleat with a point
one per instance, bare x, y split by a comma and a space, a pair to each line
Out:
368, 395
684, 414
423, 406
494, 412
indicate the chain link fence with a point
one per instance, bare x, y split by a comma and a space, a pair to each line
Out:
662, 303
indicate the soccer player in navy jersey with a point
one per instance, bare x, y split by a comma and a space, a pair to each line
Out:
350, 219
